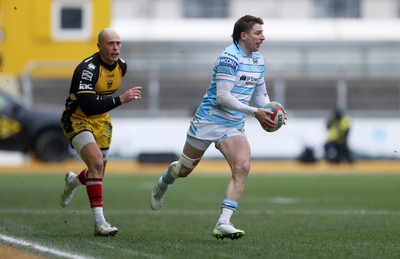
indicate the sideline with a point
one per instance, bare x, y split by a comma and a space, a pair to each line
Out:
215, 167
7, 251
36, 247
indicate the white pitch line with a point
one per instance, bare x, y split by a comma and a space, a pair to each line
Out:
144, 212
40, 248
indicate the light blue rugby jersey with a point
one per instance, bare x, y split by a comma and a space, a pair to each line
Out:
244, 72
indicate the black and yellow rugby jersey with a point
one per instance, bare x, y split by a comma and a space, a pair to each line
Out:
92, 86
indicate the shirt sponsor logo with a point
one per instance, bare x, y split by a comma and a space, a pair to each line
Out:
87, 75
92, 66
104, 97
83, 86
228, 62
249, 80
230, 54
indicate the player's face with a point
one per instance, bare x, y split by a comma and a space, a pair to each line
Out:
109, 48
254, 38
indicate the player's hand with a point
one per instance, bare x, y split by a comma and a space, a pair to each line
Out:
133, 93
264, 118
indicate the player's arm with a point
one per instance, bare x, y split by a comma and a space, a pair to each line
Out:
93, 104
226, 82
227, 100
260, 96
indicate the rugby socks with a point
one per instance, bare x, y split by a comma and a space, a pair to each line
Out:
98, 215
165, 178
164, 181
94, 188
82, 176
227, 209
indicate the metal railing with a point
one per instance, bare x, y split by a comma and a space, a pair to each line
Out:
175, 75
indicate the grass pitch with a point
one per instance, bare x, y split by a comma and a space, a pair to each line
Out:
284, 216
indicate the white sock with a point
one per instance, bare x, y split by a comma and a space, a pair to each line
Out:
98, 215
225, 216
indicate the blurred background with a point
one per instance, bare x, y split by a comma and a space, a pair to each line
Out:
321, 55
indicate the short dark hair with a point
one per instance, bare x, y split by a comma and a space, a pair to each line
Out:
244, 24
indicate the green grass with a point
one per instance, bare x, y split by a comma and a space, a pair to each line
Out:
284, 216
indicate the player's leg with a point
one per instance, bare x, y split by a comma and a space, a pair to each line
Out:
72, 181
78, 132
91, 140
102, 131
95, 160
239, 163
188, 160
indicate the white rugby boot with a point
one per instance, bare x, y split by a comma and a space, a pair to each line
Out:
105, 229
227, 230
156, 199
71, 182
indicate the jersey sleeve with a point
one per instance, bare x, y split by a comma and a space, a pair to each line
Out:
226, 99
84, 79
260, 96
93, 104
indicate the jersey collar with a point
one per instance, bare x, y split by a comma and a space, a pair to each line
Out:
242, 52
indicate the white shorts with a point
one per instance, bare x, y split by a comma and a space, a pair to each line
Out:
204, 132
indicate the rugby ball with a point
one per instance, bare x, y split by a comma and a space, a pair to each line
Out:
278, 116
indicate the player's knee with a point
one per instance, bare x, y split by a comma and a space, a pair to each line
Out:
176, 170
183, 167
242, 168
240, 171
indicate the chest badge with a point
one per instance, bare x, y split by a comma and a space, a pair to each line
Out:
109, 84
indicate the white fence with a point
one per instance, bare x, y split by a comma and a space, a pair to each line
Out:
369, 138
